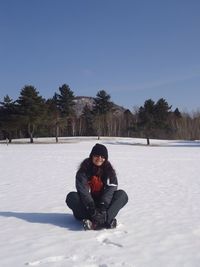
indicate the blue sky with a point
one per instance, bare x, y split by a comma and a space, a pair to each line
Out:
132, 49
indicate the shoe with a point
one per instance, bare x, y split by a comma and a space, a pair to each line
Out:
112, 224
89, 225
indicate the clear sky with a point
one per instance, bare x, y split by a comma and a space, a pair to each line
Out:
132, 49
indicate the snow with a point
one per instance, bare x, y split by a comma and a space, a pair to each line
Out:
160, 225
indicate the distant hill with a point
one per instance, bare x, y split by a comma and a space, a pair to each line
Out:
82, 101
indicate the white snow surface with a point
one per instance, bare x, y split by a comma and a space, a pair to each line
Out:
160, 225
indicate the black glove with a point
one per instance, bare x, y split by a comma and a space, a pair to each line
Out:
99, 217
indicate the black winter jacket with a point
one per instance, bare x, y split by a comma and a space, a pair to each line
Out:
108, 178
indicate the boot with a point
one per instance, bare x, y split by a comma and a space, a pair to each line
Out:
90, 225
112, 224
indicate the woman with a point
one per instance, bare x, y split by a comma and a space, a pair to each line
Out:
97, 200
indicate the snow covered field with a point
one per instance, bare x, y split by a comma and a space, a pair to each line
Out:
160, 225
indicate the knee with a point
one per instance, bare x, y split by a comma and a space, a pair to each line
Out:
70, 198
122, 195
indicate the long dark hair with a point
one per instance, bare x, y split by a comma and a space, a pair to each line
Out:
105, 170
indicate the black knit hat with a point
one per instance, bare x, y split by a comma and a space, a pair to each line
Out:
99, 150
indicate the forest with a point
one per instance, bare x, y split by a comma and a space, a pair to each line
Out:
31, 115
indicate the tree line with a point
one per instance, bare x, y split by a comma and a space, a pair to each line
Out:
31, 116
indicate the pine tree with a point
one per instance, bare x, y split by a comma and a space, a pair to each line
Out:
102, 107
65, 100
153, 117
8, 118
162, 110
102, 103
61, 110
31, 108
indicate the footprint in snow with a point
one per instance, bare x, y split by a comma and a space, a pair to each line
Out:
50, 260
109, 242
104, 239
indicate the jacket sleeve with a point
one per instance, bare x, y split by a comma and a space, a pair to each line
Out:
110, 188
83, 189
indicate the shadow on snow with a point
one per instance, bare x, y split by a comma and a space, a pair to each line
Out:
57, 219
153, 144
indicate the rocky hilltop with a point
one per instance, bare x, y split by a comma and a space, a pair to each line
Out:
82, 101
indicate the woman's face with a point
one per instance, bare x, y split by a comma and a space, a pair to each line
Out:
98, 160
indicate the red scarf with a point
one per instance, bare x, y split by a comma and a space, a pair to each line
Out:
96, 185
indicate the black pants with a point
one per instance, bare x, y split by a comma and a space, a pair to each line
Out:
119, 200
